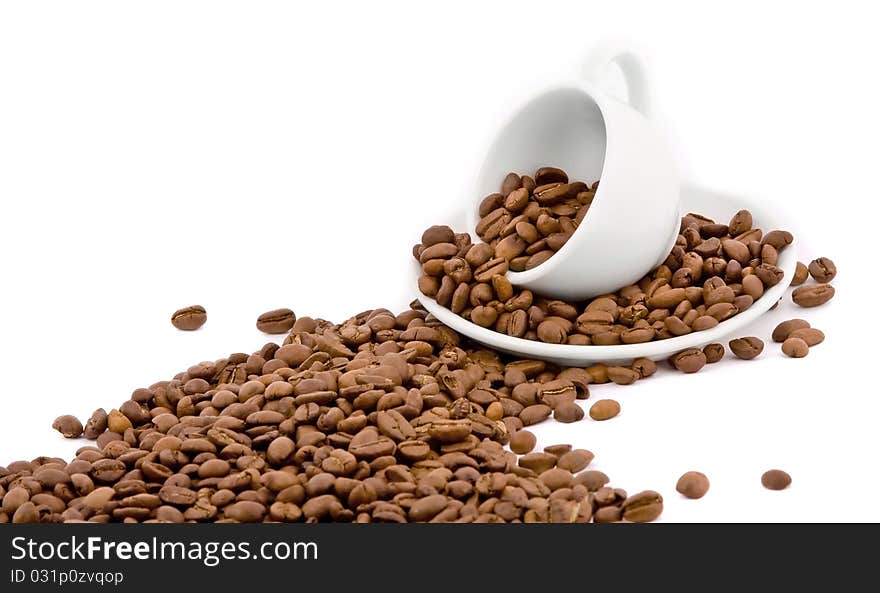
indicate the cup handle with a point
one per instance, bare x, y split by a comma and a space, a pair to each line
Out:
632, 66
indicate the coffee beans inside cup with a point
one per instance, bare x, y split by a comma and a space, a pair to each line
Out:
532, 217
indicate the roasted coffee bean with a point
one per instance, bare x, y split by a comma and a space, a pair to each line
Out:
117, 422
810, 335
437, 234
775, 479
604, 409
522, 442
801, 273
622, 375
693, 484
822, 270
189, 318
784, 329
278, 321
575, 460
69, 426
689, 361
713, 352
812, 295
642, 507
534, 414
96, 424
746, 348
568, 412
795, 347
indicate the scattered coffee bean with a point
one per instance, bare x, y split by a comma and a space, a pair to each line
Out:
784, 329
810, 335
568, 412
96, 424
693, 484
746, 348
822, 270
604, 409
689, 361
801, 273
642, 507
812, 295
795, 348
775, 479
713, 352
279, 321
189, 318
69, 426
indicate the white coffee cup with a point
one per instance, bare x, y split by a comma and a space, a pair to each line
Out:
634, 218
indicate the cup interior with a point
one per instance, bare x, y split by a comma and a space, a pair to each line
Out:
563, 127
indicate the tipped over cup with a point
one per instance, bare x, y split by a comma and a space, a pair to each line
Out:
634, 217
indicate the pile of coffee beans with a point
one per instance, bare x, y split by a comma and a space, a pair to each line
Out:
714, 271
532, 217
396, 418
383, 418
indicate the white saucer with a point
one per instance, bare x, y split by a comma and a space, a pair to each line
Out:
718, 206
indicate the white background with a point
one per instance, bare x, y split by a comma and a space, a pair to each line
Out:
247, 156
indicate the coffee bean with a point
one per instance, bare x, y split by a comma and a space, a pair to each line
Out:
645, 367
278, 321
26, 513
778, 239
775, 479
575, 460
795, 347
769, 274
822, 270
713, 352
622, 375
810, 335
740, 223
642, 507
604, 409
546, 175
746, 348
568, 412
534, 414
689, 361
784, 329
522, 442
189, 318
437, 234
96, 424
812, 295
117, 422
693, 484
801, 273
69, 426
